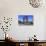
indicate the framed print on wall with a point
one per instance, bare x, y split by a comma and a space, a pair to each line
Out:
25, 19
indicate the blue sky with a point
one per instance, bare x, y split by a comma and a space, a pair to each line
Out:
30, 17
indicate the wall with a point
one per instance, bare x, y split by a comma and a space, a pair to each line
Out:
12, 8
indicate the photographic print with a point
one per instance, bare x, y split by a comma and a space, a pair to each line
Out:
25, 19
